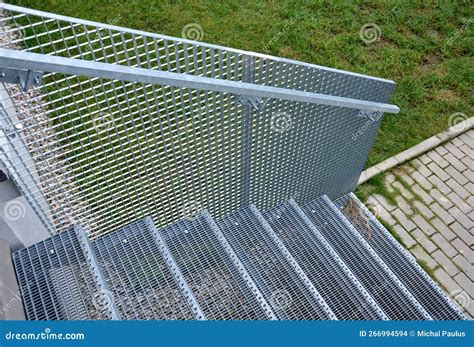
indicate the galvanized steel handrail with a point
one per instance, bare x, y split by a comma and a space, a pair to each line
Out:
48, 63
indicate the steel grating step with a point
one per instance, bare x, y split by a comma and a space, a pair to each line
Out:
143, 282
289, 264
341, 290
276, 273
387, 290
59, 281
401, 262
220, 284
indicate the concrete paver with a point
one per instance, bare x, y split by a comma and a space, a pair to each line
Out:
434, 216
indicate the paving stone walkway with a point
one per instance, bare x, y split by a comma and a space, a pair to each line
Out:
429, 205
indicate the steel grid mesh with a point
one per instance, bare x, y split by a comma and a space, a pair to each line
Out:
217, 284
141, 283
271, 270
335, 282
382, 284
107, 152
302, 162
402, 263
56, 282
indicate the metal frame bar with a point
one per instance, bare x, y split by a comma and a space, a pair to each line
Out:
40, 62
112, 310
188, 294
248, 76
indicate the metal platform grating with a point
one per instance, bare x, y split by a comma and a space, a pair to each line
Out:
335, 282
141, 282
382, 284
289, 295
402, 263
220, 289
57, 282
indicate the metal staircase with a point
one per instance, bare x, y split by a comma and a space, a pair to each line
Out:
184, 180
289, 263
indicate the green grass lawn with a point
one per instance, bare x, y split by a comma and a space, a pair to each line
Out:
432, 82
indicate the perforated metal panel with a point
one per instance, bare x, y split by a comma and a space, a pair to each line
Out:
279, 280
217, 283
300, 162
142, 283
387, 290
107, 152
57, 282
339, 287
400, 261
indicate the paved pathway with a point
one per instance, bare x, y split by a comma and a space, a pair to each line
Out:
429, 205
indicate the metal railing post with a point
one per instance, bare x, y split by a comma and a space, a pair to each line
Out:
248, 76
14, 156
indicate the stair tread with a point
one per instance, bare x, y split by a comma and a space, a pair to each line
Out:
208, 269
55, 280
402, 263
384, 287
141, 283
318, 260
271, 270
